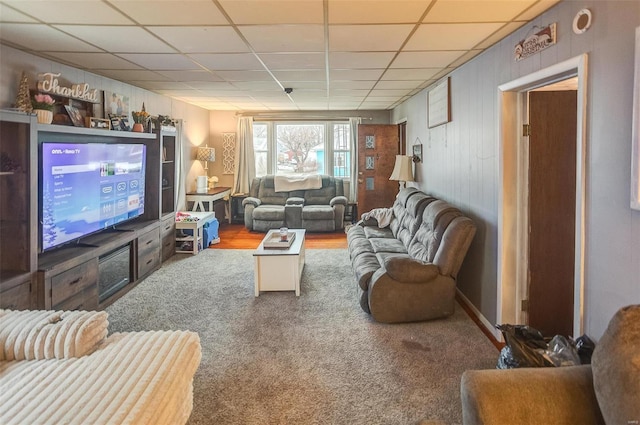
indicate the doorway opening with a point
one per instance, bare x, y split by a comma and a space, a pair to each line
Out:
514, 211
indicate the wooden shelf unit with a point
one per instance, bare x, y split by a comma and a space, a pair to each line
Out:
69, 277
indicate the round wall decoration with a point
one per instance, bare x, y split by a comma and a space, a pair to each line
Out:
582, 21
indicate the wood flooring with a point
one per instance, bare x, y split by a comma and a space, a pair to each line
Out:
236, 236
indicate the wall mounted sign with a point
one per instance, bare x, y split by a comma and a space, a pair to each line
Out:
228, 152
49, 84
439, 107
536, 43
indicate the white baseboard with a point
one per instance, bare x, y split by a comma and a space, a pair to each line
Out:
488, 325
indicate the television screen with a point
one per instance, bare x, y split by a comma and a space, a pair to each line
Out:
87, 187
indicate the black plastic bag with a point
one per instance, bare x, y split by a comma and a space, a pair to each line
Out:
562, 352
585, 347
525, 348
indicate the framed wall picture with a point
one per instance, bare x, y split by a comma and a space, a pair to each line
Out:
417, 153
438, 104
76, 117
115, 104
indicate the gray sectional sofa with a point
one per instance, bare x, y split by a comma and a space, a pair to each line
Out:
406, 272
316, 210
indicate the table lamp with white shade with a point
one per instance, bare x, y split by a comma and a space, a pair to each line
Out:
402, 170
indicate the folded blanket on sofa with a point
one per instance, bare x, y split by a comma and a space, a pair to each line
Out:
382, 215
41, 334
288, 183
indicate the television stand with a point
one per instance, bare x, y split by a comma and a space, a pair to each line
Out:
113, 229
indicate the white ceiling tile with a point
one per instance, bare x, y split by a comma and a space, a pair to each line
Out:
450, 36
397, 84
410, 73
355, 74
293, 60
360, 60
164, 85
244, 75
285, 38
425, 59
43, 38
160, 61
212, 86
190, 75
118, 39
256, 85
476, 11
375, 98
84, 12
8, 14
367, 38
537, 9
198, 12
396, 93
274, 12
228, 61
380, 11
202, 39
303, 75
133, 75
312, 85
465, 58
352, 85
94, 60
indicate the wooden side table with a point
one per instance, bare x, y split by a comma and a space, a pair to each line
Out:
212, 195
196, 229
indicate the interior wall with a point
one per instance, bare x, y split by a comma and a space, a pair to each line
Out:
461, 157
195, 119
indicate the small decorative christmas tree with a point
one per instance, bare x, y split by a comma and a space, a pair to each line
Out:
23, 100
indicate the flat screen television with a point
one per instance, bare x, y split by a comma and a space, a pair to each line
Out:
88, 187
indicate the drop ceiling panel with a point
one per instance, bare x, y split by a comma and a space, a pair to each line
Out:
426, 59
312, 85
118, 39
353, 85
133, 75
293, 61
190, 75
42, 38
367, 38
450, 36
355, 74
536, 9
408, 84
360, 60
499, 35
94, 61
244, 75
8, 14
476, 11
201, 39
228, 61
71, 12
159, 61
285, 38
410, 74
274, 12
303, 75
380, 11
257, 85
198, 12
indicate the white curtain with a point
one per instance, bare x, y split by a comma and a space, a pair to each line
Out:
244, 161
353, 186
181, 192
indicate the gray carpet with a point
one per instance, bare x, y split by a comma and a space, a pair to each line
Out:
316, 359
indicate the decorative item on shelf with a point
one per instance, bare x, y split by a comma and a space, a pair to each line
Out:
201, 184
212, 182
402, 170
43, 107
140, 119
166, 121
206, 155
23, 103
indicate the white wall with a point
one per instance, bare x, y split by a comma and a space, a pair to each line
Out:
195, 119
461, 157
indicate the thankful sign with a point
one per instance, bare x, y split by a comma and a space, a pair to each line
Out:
49, 84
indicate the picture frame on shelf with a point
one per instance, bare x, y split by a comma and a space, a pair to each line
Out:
100, 123
119, 122
115, 104
75, 115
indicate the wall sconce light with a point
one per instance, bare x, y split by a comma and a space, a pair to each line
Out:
402, 170
206, 155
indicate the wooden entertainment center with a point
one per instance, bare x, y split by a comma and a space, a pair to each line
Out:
92, 274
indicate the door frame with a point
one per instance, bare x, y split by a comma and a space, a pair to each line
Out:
513, 191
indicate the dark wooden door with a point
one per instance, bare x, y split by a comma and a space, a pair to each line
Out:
552, 209
377, 150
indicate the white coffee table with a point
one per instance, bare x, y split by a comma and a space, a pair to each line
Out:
278, 269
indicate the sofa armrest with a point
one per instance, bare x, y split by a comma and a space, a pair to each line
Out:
338, 200
41, 334
405, 269
294, 200
562, 395
250, 200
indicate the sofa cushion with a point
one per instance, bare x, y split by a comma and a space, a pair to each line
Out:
616, 368
364, 266
269, 212
436, 217
317, 212
267, 192
376, 232
387, 245
359, 246
320, 196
